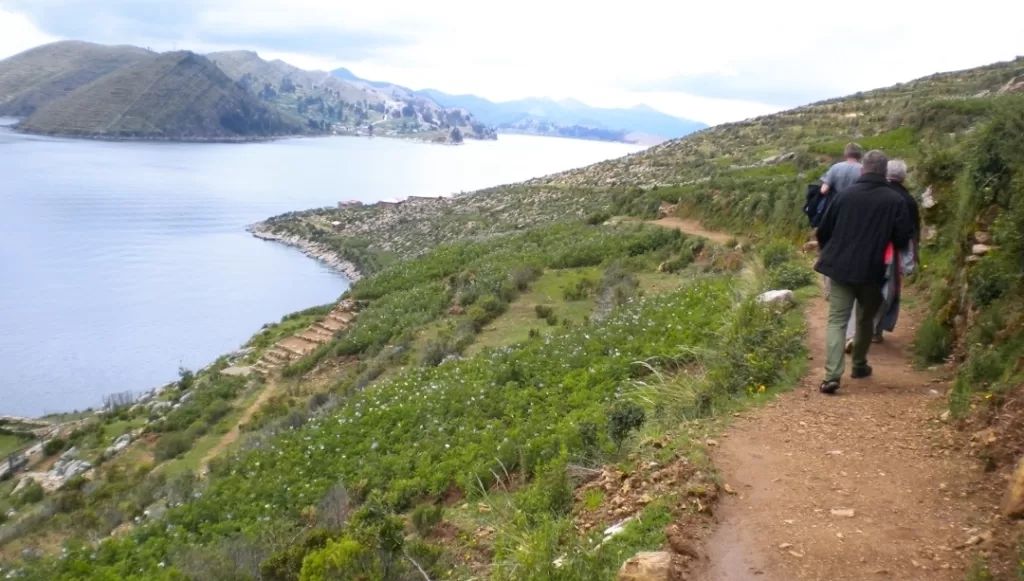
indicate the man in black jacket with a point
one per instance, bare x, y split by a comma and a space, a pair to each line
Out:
854, 232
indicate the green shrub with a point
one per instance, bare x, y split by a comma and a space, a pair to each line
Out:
286, 564
624, 418
551, 320
933, 341
580, 290
990, 280
791, 275
777, 253
54, 446
597, 218
543, 311
171, 446
30, 494
426, 516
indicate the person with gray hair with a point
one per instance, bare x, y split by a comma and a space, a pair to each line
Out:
853, 236
885, 320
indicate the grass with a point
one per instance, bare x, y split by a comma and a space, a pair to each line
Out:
514, 326
10, 444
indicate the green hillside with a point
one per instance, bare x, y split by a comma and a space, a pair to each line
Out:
176, 95
512, 344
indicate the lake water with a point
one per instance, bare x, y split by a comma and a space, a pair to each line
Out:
121, 261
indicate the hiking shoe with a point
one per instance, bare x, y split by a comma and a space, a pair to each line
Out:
849, 346
861, 372
877, 338
829, 386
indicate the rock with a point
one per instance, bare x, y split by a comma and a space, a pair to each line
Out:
649, 566
729, 489
843, 512
785, 546
928, 198
980, 249
777, 297
1013, 503
711, 443
982, 237
118, 446
811, 246
945, 416
237, 370
1015, 84
973, 258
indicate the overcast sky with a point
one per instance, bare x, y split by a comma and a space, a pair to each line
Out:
714, 61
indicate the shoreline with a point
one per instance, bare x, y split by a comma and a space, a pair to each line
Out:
311, 249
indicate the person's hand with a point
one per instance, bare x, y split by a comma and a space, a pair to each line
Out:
824, 189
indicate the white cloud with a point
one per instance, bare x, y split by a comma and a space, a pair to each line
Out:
18, 33
761, 55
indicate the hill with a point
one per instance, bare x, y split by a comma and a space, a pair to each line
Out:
175, 96
529, 381
42, 74
570, 118
268, 98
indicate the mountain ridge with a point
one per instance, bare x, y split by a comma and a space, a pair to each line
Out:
261, 99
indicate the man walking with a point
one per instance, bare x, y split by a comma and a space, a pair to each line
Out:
856, 229
838, 177
843, 174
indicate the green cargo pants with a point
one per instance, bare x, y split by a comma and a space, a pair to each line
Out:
840, 303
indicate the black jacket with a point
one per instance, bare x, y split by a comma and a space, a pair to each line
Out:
857, 226
913, 210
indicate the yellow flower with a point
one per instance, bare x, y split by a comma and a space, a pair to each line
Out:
760, 389
988, 396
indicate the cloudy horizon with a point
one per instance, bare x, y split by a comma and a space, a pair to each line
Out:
711, 63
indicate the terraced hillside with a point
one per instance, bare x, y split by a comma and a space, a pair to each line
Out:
37, 76
342, 105
175, 95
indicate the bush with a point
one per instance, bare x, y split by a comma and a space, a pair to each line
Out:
777, 253
171, 446
54, 446
426, 516
31, 494
623, 419
933, 342
790, 276
579, 291
543, 311
597, 218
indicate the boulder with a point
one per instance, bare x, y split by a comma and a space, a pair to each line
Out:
1013, 503
982, 237
777, 297
118, 446
980, 249
928, 199
650, 566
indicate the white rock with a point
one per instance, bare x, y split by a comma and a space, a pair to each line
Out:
980, 249
777, 297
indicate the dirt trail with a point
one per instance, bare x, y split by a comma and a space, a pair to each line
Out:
876, 454
694, 228
232, 436
876, 449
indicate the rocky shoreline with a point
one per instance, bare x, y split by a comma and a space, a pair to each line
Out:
310, 249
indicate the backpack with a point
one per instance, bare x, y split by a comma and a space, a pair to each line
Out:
815, 204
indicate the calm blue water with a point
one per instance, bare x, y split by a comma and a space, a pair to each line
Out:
121, 261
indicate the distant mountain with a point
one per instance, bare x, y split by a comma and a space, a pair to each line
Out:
569, 117
125, 92
413, 108
174, 95
42, 74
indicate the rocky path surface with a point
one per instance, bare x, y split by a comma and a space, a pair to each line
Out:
866, 484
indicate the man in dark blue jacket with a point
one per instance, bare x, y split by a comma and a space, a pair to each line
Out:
857, 227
